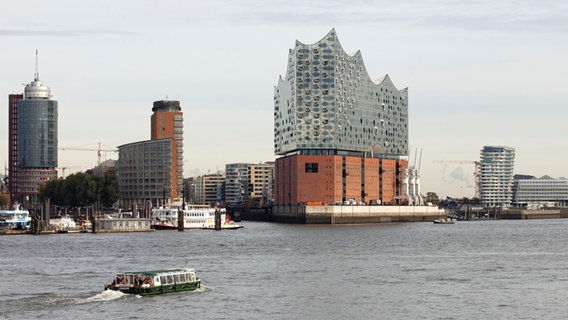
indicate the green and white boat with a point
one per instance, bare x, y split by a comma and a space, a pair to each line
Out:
155, 282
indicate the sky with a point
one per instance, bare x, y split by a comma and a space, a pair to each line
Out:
478, 73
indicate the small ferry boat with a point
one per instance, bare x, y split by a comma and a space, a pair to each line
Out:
195, 217
443, 221
155, 282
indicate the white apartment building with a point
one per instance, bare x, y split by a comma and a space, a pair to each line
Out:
496, 176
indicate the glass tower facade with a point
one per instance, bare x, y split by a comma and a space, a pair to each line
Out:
33, 142
37, 133
327, 102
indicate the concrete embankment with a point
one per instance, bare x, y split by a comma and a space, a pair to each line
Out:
534, 214
346, 214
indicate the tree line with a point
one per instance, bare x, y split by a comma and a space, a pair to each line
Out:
80, 190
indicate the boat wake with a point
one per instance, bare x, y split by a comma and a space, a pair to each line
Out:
203, 288
107, 295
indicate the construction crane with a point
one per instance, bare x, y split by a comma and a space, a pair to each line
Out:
68, 167
476, 175
99, 151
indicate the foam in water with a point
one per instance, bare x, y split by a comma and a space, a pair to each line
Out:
106, 295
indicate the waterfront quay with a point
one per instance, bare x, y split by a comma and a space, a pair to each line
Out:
328, 214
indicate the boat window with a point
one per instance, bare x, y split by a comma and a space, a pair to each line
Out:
176, 277
163, 279
170, 279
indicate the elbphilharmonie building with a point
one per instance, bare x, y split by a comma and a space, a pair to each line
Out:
328, 102
339, 135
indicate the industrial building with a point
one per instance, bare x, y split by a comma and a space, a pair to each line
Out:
338, 134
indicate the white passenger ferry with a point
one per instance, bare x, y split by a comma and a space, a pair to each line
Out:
17, 219
194, 217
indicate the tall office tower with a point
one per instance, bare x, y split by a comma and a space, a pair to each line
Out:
33, 141
167, 123
339, 134
151, 171
496, 176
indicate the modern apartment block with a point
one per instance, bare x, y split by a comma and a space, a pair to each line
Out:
261, 183
33, 141
339, 135
152, 170
249, 184
236, 183
207, 189
496, 176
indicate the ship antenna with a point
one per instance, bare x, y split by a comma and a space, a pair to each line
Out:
36, 75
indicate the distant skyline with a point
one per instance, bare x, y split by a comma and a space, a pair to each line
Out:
478, 72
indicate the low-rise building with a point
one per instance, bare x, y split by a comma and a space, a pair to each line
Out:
535, 193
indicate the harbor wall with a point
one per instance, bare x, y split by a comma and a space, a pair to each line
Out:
354, 214
534, 214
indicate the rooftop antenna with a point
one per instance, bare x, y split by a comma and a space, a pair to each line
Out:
36, 75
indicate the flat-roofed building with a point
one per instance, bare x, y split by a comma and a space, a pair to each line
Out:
535, 192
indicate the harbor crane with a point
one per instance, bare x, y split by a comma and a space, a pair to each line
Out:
99, 151
476, 175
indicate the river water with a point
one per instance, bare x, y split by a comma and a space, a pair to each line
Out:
469, 270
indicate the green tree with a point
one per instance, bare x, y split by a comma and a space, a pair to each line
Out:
107, 190
80, 190
432, 197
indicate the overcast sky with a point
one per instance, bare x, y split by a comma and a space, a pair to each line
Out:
478, 72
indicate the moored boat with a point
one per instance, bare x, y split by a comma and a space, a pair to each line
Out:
155, 282
194, 217
16, 219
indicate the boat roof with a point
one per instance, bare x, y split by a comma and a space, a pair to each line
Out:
160, 272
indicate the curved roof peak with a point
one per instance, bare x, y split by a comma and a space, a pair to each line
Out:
330, 33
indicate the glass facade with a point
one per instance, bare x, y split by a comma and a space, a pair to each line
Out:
527, 191
327, 100
145, 172
33, 142
37, 133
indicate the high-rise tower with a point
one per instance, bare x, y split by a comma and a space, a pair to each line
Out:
167, 123
151, 171
496, 176
33, 141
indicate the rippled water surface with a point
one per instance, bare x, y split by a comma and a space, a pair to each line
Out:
469, 270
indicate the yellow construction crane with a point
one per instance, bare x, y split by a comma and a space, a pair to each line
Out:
99, 151
475, 172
